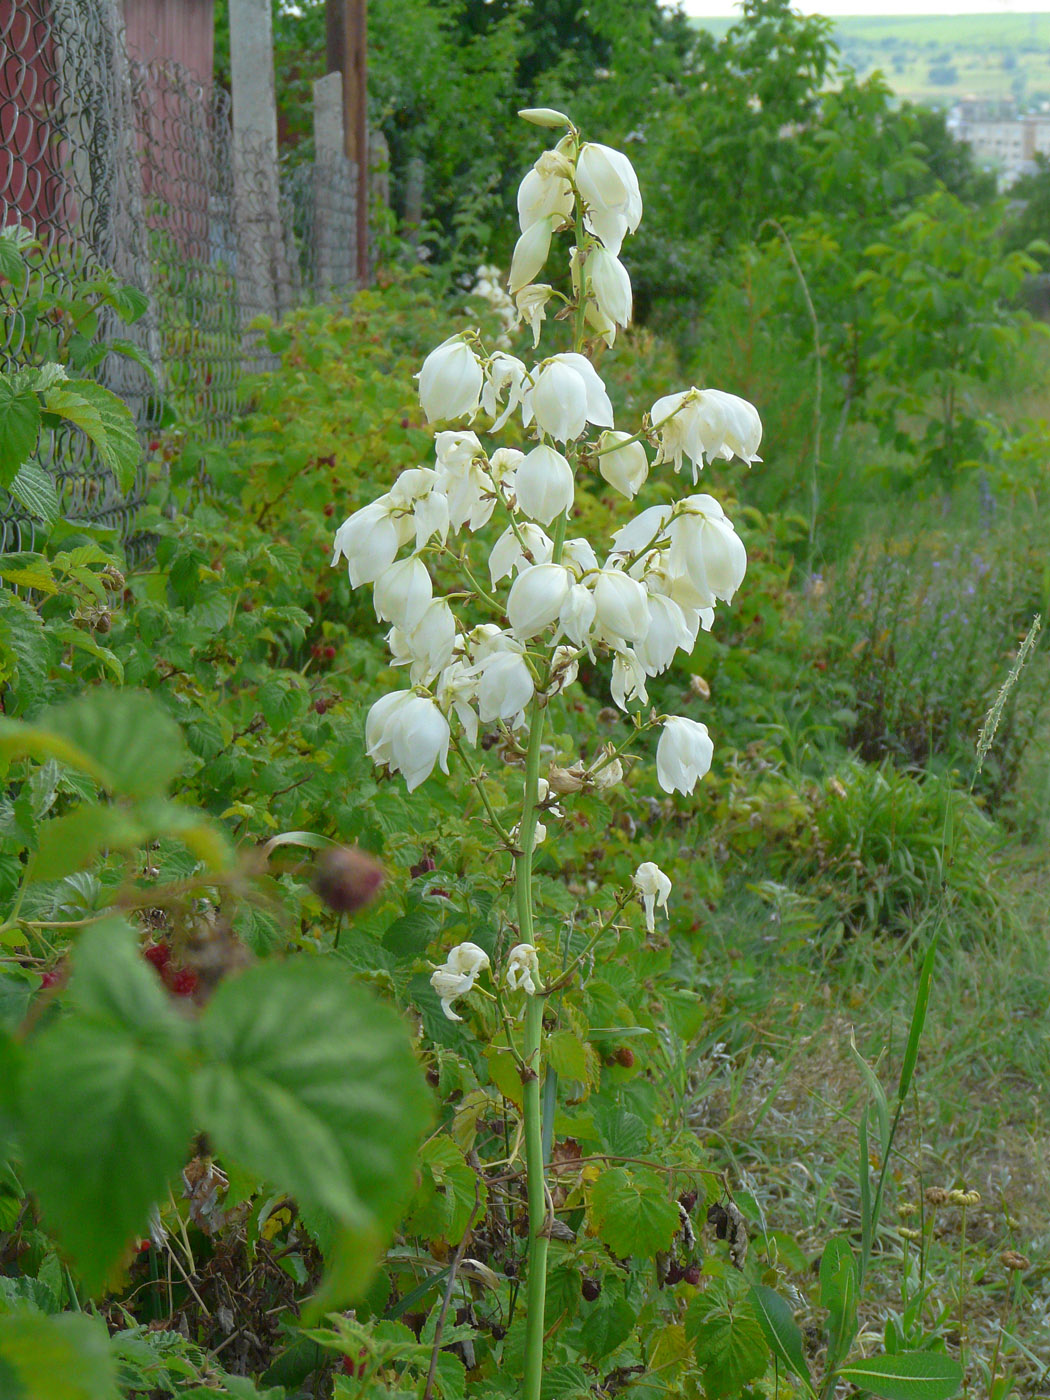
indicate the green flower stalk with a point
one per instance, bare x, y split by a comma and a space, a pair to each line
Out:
548, 599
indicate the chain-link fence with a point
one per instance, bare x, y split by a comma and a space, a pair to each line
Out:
132, 168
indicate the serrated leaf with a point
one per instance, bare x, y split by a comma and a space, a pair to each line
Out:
19, 428
908, 1375
567, 1055
729, 1343
34, 490
105, 1103
608, 1326
28, 571
632, 1212
84, 641
280, 702
56, 1358
127, 735
105, 419
449, 1193
71, 842
781, 1330
313, 1084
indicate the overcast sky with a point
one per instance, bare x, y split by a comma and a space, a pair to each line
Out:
720, 8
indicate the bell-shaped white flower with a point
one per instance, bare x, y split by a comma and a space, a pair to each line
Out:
543, 484
628, 679
505, 688
622, 605
654, 887
683, 754
537, 597
414, 737
508, 553
577, 615
608, 187
610, 285
558, 399
457, 975
625, 468
530, 254
671, 628
578, 555
456, 689
742, 427
368, 540
402, 593
531, 302
420, 491
706, 424
468, 959
428, 647
379, 724
523, 969
705, 546
504, 374
599, 409
450, 381
545, 192
643, 532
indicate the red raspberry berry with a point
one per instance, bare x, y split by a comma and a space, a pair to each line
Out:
590, 1288
50, 977
321, 705
691, 1275
404, 422
356, 1368
159, 954
317, 650
687, 1200
329, 509
329, 653
184, 982
422, 867
624, 1056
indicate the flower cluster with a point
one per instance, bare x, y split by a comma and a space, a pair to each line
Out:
547, 598
461, 969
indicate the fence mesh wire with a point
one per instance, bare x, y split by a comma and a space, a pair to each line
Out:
132, 167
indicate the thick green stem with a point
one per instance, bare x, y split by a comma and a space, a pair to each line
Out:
537, 1196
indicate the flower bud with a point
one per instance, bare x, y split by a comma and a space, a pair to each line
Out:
544, 116
530, 253
347, 878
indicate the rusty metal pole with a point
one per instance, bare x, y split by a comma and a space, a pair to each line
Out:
346, 40
355, 97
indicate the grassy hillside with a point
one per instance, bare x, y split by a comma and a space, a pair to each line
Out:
940, 58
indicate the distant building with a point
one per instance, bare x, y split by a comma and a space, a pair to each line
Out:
1001, 141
